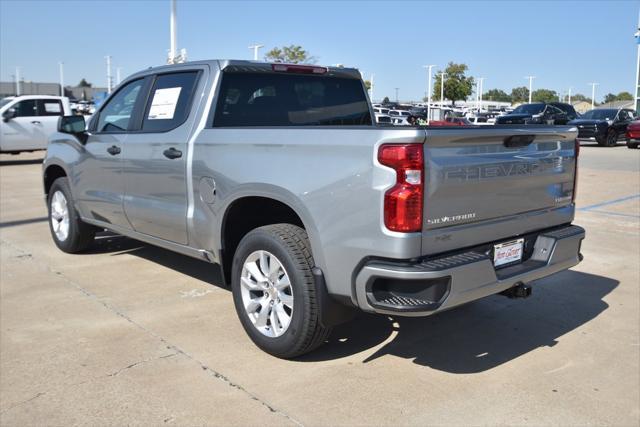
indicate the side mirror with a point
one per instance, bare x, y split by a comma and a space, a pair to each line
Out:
73, 125
9, 114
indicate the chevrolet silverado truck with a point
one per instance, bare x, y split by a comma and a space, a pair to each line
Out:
279, 174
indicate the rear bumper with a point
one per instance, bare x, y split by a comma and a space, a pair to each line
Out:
433, 285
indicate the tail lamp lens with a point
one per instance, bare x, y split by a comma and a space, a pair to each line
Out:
403, 203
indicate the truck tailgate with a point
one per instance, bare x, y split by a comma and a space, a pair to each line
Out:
491, 183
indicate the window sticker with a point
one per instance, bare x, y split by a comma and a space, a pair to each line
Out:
164, 102
52, 107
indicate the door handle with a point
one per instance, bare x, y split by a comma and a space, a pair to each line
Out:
113, 150
35, 122
172, 153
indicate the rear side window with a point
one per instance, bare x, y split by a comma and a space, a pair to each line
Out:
169, 101
50, 107
270, 99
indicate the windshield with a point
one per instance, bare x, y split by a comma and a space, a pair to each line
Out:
5, 101
599, 114
529, 109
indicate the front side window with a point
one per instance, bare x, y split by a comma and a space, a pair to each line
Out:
26, 108
271, 99
168, 105
116, 114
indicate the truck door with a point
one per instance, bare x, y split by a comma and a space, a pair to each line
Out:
49, 111
155, 158
19, 133
98, 181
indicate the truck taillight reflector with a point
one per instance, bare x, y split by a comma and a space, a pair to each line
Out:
403, 203
304, 69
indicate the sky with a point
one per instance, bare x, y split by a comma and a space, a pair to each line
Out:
563, 43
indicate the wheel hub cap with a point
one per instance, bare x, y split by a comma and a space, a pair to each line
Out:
59, 216
266, 292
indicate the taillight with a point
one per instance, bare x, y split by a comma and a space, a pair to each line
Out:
575, 172
404, 201
304, 69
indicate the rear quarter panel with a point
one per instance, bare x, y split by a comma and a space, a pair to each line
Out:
326, 175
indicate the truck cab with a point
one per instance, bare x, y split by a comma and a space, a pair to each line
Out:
28, 121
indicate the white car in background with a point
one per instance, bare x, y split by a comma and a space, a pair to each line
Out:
383, 118
27, 121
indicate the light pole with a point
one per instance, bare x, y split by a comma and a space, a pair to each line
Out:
173, 33
570, 95
428, 67
17, 81
637, 36
256, 48
530, 85
118, 69
593, 93
481, 82
442, 74
371, 83
397, 89
61, 64
108, 58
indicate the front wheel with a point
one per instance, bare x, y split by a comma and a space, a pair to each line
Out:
69, 233
274, 291
632, 144
612, 138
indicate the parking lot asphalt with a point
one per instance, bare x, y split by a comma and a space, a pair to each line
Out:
132, 334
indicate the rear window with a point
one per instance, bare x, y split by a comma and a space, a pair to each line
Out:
269, 99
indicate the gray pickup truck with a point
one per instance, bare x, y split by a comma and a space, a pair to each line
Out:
279, 174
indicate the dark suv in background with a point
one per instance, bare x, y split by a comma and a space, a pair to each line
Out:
539, 113
604, 125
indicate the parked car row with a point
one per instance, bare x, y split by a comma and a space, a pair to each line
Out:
606, 126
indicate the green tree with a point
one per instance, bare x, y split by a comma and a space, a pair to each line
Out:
496, 95
457, 86
292, 54
544, 95
385, 100
610, 98
84, 83
367, 84
519, 94
624, 96
580, 97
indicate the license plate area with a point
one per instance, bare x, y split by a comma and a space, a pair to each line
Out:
508, 253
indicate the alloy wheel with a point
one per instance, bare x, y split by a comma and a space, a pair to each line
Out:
267, 295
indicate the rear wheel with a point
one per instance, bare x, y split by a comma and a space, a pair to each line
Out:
274, 291
69, 233
632, 144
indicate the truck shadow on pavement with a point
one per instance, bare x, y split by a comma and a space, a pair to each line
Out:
107, 242
479, 336
469, 339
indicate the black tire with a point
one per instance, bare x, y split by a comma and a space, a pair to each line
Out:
611, 139
632, 144
290, 245
81, 234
